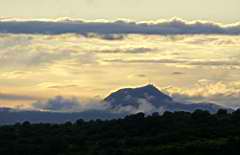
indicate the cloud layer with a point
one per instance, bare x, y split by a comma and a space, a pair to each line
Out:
223, 93
88, 65
164, 27
62, 104
4, 96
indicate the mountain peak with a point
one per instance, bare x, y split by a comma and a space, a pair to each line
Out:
131, 96
148, 87
151, 86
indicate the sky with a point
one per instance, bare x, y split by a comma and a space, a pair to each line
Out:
80, 48
216, 10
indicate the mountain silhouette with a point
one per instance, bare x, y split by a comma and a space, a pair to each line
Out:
150, 94
129, 96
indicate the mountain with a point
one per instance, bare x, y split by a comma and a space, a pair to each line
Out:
149, 94
13, 116
2, 109
129, 96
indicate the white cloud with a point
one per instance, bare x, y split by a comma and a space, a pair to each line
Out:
142, 105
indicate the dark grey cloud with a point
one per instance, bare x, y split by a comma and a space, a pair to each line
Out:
63, 86
142, 75
177, 73
171, 27
58, 104
110, 37
135, 50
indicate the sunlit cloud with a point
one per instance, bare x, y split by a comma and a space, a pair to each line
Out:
89, 65
222, 63
224, 93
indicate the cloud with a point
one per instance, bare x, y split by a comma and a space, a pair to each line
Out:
19, 51
110, 37
215, 63
16, 57
63, 86
15, 74
152, 61
192, 62
177, 73
127, 50
141, 75
8, 40
164, 27
212, 40
33, 57
141, 105
62, 104
7, 96
223, 93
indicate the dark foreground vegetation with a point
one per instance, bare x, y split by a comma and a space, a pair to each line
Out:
197, 133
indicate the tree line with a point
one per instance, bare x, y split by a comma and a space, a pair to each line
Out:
196, 133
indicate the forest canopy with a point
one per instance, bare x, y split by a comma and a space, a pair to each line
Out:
180, 132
